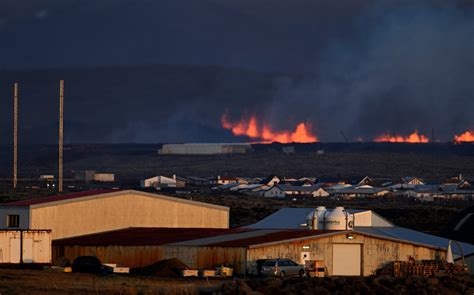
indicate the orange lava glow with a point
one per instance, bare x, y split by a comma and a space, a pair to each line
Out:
412, 138
467, 136
264, 133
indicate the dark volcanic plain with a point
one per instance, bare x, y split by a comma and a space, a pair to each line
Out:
132, 162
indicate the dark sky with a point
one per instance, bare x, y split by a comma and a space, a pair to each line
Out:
364, 67
261, 34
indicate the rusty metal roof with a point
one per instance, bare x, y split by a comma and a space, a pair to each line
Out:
141, 236
237, 237
59, 197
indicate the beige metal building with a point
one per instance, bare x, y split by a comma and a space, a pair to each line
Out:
204, 148
351, 253
105, 210
344, 242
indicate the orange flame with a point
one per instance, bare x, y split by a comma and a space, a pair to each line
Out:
253, 129
412, 138
467, 136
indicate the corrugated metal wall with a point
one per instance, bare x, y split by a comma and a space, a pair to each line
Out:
138, 256
123, 210
375, 251
36, 246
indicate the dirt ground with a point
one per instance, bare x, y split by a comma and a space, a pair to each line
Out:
27, 281
17, 281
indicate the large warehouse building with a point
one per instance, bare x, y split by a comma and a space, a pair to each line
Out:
204, 148
346, 242
105, 210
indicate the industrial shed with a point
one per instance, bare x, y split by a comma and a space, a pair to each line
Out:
204, 148
351, 252
347, 252
345, 242
18, 246
105, 210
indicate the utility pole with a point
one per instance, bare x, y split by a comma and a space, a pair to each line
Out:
344, 136
60, 137
15, 134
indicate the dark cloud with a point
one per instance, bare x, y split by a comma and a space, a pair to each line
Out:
410, 69
363, 67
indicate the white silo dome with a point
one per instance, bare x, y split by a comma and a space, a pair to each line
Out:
336, 219
314, 220
309, 219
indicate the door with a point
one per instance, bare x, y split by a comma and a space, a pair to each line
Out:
27, 250
14, 251
346, 260
15, 245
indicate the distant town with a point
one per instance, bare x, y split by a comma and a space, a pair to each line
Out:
456, 188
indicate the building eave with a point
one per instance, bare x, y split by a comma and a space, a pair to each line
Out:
122, 192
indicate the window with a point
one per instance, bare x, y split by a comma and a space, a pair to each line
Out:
269, 263
292, 263
13, 221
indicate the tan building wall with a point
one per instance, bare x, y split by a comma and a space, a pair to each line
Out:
375, 251
124, 209
138, 256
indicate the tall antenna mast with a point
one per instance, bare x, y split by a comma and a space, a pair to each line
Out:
60, 137
15, 134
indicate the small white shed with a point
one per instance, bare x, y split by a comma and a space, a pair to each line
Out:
27, 246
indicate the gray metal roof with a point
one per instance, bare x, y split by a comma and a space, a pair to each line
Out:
405, 234
226, 186
292, 218
288, 218
305, 189
285, 218
369, 191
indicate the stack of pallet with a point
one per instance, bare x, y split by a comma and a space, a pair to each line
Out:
430, 267
404, 268
452, 269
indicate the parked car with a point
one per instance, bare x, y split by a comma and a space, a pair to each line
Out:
87, 264
282, 268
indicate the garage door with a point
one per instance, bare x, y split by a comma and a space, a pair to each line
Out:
346, 260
